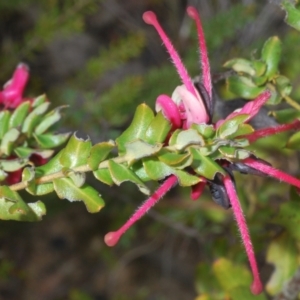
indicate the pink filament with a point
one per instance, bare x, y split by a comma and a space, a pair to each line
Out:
272, 171
112, 238
206, 78
256, 286
272, 130
150, 18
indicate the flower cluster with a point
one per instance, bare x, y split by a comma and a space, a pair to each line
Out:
23, 122
192, 103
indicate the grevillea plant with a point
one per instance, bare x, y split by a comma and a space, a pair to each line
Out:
179, 144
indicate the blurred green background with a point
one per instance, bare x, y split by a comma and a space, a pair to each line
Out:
99, 57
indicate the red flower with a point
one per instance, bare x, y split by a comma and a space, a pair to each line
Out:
191, 103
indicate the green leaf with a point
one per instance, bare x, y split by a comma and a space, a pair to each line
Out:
34, 117
175, 159
282, 253
78, 178
142, 119
207, 131
231, 126
173, 137
139, 170
271, 54
76, 152
243, 129
158, 129
12, 207
292, 14
283, 85
286, 115
243, 87
24, 152
52, 166
66, 189
186, 179
187, 138
50, 119
12, 165
294, 141
3, 175
260, 67
47, 141
39, 100
232, 153
231, 276
8, 140
275, 95
138, 149
28, 176
156, 169
240, 65
205, 166
121, 173
104, 176
19, 114
4, 122
99, 153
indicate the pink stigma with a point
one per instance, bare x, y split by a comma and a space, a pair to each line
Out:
112, 238
253, 163
256, 286
149, 17
206, 78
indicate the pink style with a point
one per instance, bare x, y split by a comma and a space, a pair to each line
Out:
187, 106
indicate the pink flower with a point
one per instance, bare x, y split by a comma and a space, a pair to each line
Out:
12, 94
192, 103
